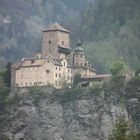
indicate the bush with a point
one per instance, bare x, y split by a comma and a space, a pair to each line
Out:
35, 93
133, 82
96, 87
12, 99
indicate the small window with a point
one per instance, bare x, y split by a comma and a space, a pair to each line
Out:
59, 75
62, 42
59, 68
49, 50
81, 55
47, 71
64, 64
56, 68
50, 42
56, 75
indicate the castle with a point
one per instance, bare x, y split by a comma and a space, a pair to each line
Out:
55, 65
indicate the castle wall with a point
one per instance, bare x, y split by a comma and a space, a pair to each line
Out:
50, 44
38, 75
63, 39
51, 40
87, 73
79, 59
44, 75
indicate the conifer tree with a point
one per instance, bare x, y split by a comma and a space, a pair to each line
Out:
124, 131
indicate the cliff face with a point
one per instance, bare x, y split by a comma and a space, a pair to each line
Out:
63, 115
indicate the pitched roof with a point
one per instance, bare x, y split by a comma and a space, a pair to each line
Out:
55, 27
32, 62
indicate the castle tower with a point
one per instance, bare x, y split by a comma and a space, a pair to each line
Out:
55, 41
79, 56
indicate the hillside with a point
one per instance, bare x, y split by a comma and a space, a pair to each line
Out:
21, 23
109, 29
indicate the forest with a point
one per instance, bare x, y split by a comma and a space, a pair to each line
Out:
108, 29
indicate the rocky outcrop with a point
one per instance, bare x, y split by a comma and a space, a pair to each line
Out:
63, 115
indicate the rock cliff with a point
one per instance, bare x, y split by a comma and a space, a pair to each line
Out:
72, 114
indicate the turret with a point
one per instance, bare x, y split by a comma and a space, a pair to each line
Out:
79, 56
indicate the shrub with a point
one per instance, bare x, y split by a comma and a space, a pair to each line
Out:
35, 93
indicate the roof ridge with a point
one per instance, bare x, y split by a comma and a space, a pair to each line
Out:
56, 27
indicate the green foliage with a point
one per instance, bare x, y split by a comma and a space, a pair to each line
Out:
72, 94
114, 83
108, 28
76, 80
4, 92
7, 75
96, 88
12, 99
36, 94
134, 82
123, 130
118, 68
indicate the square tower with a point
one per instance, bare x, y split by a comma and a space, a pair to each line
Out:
53, 37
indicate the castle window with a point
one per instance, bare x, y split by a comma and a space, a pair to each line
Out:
50, 42
47, 71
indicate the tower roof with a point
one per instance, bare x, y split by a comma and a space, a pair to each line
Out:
56, 27
79, 50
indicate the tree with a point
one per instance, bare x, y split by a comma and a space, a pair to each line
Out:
7, 76
76, 80
118, 68
123, 130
